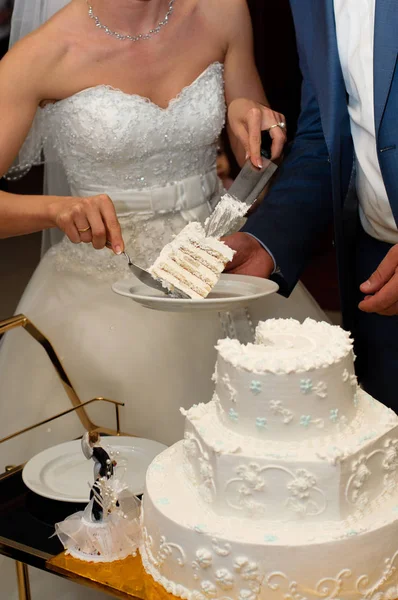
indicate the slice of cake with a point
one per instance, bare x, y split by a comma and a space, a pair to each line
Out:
192, 262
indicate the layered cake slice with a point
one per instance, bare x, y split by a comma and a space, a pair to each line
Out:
192, 262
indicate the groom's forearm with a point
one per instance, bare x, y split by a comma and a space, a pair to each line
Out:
300, 205
296, 211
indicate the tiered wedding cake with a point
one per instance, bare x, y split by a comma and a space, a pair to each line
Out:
285, 484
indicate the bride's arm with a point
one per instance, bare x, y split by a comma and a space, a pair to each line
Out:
243, 88
22, 73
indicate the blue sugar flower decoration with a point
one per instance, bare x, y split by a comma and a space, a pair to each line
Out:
255, 387
261, 423
305, 420
163, 501
367, 437
233, 415
306, 386
352, 532
157, 467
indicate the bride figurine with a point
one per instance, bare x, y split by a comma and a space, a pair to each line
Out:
109, 528
103, 469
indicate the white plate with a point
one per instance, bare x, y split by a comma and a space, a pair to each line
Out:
63, 473
232, 291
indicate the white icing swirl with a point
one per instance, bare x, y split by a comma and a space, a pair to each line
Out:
287, 346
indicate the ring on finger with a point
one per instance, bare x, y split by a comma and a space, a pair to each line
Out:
84, 230
281, 125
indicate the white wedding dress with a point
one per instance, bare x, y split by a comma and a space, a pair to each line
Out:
159, 167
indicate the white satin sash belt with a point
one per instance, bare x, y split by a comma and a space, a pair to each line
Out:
194, 197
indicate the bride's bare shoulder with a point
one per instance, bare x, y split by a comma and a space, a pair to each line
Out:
46, 46
38, 55
232, 10
228, 16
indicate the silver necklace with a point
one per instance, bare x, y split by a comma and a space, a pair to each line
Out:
131, 38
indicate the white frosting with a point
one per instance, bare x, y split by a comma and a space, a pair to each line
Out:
288, 346
192, 262
227, 217
339, 476
197, 554
300, 382
285, 485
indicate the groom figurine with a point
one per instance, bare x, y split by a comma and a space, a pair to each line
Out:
343, 169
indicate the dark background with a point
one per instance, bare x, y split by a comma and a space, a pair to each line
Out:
276, 57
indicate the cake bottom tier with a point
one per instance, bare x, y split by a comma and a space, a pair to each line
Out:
197, 555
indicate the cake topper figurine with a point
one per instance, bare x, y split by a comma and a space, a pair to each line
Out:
103, 469
108, 529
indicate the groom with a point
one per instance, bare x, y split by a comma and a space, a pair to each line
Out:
341, 169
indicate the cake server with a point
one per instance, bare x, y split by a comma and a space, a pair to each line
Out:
147, 279
246, 188
248, 185
251, 181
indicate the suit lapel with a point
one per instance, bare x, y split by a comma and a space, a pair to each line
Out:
385, 54
319, 36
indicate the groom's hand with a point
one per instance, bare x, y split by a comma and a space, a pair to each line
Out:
250, 258
381, 289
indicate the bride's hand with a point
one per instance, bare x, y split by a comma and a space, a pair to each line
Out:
89, 220
248, 119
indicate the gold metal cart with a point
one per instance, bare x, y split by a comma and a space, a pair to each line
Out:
32, 544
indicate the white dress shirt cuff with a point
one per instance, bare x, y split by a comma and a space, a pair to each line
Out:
276, 270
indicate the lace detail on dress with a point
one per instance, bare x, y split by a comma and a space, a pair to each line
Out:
144, 239
127, 146
110, 138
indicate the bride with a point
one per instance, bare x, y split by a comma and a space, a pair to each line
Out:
133, 124
129, 130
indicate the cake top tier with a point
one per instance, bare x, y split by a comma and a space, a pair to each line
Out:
288, 346
296, 382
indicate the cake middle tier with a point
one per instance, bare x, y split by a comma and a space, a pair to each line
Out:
331, 478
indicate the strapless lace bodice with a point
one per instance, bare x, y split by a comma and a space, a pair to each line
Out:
157, 165
110, 139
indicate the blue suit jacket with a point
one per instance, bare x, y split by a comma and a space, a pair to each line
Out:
313, 184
